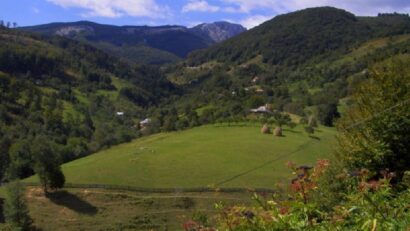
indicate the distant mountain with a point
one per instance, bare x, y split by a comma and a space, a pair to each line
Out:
218, 31
143, 44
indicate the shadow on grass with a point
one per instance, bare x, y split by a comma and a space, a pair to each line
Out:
291, 131
2, 220
314, 137
72, 202
226, 125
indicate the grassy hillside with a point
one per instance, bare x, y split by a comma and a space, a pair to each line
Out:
97, 209
205, 156
306, 63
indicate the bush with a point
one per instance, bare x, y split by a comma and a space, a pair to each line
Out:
375, 135
327, 113
366, 204
15, 208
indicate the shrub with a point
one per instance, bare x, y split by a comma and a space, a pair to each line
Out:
15, 208
366, 204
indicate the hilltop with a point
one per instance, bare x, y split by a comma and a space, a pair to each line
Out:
295, 38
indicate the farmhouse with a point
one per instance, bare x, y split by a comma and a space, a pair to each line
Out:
255, 79
145, 122
260, 90
263, 109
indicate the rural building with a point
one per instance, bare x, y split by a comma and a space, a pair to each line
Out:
263, 109
145, 122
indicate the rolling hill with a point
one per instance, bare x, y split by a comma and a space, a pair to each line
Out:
305, 62
208, 156
295, 38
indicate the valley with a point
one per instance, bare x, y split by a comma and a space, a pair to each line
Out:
300, 123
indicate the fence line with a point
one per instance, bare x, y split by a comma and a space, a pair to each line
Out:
160, 190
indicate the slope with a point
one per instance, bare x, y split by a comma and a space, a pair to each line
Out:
305, 63
294, 38
67, 93
207, 156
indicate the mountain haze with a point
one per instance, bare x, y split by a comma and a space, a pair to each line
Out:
144, 44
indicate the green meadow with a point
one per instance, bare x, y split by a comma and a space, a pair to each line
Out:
207, 156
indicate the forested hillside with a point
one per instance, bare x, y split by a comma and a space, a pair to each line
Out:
295, 38
305, 63
66, 96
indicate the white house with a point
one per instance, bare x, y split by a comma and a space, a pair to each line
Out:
145, 122
263, 109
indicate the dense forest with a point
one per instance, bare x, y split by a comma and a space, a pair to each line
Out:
67, 94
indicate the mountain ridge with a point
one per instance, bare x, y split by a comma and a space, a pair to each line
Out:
169, 43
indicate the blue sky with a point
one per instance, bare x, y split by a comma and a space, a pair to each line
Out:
176, 12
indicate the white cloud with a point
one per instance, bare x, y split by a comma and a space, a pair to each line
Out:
117, 8
254, 20
201, 5
230, 9
245, 6
358, 7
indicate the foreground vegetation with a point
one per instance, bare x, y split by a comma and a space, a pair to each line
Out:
366, 189
96, 209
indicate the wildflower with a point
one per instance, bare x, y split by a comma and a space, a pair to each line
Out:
296, 186
283, 210
190, 226
364, 172
362, 186
263, 194
271, 203
374, 185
